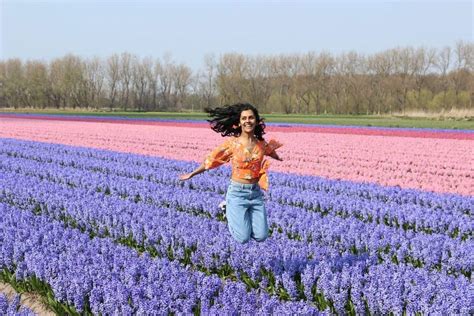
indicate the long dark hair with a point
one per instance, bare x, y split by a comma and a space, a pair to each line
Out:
226, 119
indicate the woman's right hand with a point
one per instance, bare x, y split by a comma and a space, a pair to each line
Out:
185, 176
188, 176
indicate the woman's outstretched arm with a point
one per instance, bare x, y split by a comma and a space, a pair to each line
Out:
188, 176
271, 147
216, 158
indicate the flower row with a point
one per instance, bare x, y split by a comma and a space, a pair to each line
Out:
452, 221
271, 127
107, 278
441, 165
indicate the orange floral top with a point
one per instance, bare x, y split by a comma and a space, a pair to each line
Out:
246, 164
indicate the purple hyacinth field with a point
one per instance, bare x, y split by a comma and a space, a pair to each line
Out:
102, 232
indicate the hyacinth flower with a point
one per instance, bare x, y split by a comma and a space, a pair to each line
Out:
13, 307
111, 278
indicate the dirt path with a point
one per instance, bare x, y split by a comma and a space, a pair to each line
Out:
32, 301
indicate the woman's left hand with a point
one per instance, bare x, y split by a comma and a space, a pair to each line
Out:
276, 157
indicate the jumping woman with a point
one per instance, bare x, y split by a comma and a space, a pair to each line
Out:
245, 148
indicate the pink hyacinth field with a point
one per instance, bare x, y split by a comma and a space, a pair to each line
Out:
439, 162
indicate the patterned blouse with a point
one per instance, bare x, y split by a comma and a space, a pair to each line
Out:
246, 164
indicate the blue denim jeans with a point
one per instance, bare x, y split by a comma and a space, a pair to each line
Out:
245, 212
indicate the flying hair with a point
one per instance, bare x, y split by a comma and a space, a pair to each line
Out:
225, 120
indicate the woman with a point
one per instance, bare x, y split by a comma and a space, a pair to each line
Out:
245, 148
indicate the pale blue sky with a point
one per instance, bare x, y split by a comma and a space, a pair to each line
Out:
191, 29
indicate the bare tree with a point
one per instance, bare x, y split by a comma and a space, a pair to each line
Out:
325, 64
3, 82
285, 70
258, 81
404, 72
113, 77
444, 63
36, 79
423, 62
348, 67
231, 82
95, 80
206, 86
140, 79
148, 65
14, 84
126, 60
181, 79
462, 62
74, 81
380, 67
163, 73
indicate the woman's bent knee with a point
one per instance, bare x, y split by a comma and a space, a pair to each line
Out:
241, 240
261, 237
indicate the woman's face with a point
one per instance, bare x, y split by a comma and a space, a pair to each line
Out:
248, 121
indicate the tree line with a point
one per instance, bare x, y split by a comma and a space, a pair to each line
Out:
394, 80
